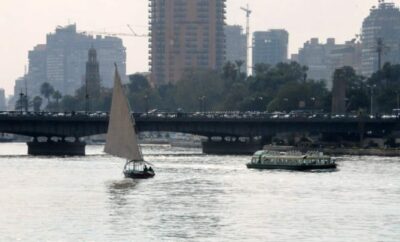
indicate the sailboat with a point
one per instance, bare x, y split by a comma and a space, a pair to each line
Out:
121, 139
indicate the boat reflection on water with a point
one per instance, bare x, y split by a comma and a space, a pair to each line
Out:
120, 191
122, 186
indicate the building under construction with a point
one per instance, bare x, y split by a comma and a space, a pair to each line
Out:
185, 34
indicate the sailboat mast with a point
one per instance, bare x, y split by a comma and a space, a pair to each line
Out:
132, 119
121, 138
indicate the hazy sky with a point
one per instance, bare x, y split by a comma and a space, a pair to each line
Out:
25, 23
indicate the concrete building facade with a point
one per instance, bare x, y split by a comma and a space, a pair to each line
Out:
236, 45
380, 30
3, 104
322, 59
62, 60
270, 47
314, 55
185, 34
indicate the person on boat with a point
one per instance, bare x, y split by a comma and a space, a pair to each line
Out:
145, 168
151, 169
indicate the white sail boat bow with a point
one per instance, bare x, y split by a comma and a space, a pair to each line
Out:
121, 140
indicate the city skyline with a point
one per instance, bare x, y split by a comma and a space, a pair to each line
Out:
23, 33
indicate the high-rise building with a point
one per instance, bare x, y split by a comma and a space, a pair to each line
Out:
37, 70
322, 59
347, 54
270, 47
3, 105
380, 37
62, 60
236, 45
185, 34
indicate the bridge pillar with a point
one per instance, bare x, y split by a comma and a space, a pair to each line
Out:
60, 148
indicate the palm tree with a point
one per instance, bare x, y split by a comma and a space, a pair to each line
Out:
20, 103
57, 96
47, 90
37, 102
239, 64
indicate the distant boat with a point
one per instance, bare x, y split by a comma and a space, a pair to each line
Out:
121, 140
293, 160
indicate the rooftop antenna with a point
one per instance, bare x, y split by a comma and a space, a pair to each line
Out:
248, 13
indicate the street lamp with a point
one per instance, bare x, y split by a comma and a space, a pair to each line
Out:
372, 99
346, 104
202, 107
21, 101
313, 105
87, 103
146, 103
203, 98
260, 99
286, 100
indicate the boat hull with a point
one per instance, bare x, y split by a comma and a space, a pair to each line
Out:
303, 167
138, 175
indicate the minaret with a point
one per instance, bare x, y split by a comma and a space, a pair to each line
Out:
92, 78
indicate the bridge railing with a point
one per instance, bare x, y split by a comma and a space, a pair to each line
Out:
197, 115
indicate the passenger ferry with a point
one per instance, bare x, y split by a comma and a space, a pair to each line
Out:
292, 160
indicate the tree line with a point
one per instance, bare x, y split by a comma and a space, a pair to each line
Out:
283, 87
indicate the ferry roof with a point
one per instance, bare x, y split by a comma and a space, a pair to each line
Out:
289, 155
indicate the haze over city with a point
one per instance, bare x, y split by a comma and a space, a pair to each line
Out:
217, 120
23, 28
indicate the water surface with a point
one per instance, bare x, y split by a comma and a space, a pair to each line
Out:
194, 197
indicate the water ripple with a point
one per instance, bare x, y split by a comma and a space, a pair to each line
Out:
194, 197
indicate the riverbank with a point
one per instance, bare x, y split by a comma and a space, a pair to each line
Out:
341, 151
362, 152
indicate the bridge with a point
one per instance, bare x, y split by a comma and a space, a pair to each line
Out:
68, 128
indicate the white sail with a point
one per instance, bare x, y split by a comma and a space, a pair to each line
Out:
121, 138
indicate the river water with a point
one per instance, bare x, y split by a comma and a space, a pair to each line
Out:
194, 197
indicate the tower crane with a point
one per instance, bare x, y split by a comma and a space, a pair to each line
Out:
248, 13
132, 34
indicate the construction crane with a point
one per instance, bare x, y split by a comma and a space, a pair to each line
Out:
248, 13
132, 34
